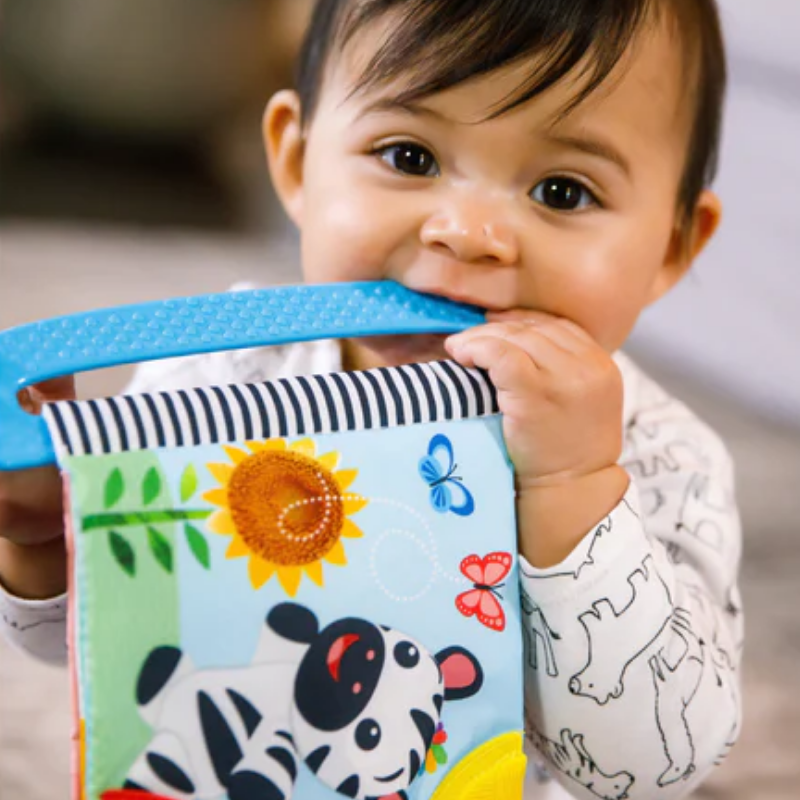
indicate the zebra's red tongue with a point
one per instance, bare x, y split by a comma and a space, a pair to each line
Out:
337, 651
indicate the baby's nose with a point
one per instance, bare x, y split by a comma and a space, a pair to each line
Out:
472, 235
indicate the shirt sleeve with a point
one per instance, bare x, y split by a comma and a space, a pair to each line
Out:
633, 644
39, 627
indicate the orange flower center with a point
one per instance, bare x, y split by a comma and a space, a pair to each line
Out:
286, 507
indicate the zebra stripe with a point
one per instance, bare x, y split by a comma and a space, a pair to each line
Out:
318, 404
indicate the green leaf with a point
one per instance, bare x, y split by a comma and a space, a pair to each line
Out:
198, 545
151, 486
115, 488
122, 552
160, 548
188, 483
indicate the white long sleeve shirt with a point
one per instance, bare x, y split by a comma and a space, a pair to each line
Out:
633, 643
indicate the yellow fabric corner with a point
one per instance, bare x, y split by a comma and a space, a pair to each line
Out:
494, 771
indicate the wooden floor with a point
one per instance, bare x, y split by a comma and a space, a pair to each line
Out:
34, 708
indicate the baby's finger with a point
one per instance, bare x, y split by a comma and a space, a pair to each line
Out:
562, 330
34, 397
525, 327
510, 368
545, 352
55, 389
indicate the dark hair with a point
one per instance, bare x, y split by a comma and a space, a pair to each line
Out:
451, 41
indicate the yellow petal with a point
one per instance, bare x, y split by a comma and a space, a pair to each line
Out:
290, 579
237, 548
350, 530
218, 497
330, 460
269, 444
235, 454
353, 503
222, 472
344, 477
337, 555
305, 447
222, 522
314, 571
260, 571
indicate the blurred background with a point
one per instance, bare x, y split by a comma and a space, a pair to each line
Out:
131, 169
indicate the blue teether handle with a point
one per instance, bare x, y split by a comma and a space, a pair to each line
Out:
187, 326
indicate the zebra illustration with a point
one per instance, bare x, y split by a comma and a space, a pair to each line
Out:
355, 702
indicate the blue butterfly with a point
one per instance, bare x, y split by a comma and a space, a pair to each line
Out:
448, 493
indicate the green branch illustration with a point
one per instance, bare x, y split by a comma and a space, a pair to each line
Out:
161, 548
93, 522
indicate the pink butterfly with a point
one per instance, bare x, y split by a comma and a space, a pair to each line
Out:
484, 598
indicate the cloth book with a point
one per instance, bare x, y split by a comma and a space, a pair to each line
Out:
305, 588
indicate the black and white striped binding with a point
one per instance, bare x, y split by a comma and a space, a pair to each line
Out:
313, 404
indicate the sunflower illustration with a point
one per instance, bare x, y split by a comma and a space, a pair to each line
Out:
286, 508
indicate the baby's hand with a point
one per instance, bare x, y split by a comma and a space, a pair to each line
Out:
31, 517
561, 397
559, 391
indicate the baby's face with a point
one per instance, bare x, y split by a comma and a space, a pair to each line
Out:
575, 217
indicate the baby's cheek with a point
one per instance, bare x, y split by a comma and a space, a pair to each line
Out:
346, 242
611, 321
603, 287
340, 255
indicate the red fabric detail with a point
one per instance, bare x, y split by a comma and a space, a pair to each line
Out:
485, 573
337, 651
458, 671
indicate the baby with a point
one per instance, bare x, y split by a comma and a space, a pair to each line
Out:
549, 161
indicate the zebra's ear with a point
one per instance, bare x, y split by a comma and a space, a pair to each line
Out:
294, 622
461, 672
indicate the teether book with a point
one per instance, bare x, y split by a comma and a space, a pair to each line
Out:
305, 588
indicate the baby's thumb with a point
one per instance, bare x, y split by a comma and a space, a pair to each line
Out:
32, 398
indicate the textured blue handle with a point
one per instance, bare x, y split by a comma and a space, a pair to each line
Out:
186, 326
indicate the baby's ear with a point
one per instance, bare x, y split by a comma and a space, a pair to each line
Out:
688, 241
285, 145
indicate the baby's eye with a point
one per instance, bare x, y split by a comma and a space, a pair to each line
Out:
410, 159
563, 194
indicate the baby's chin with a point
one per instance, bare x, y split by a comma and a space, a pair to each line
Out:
392, 351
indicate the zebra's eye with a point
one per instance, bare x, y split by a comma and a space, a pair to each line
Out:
406, 655
368, 734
